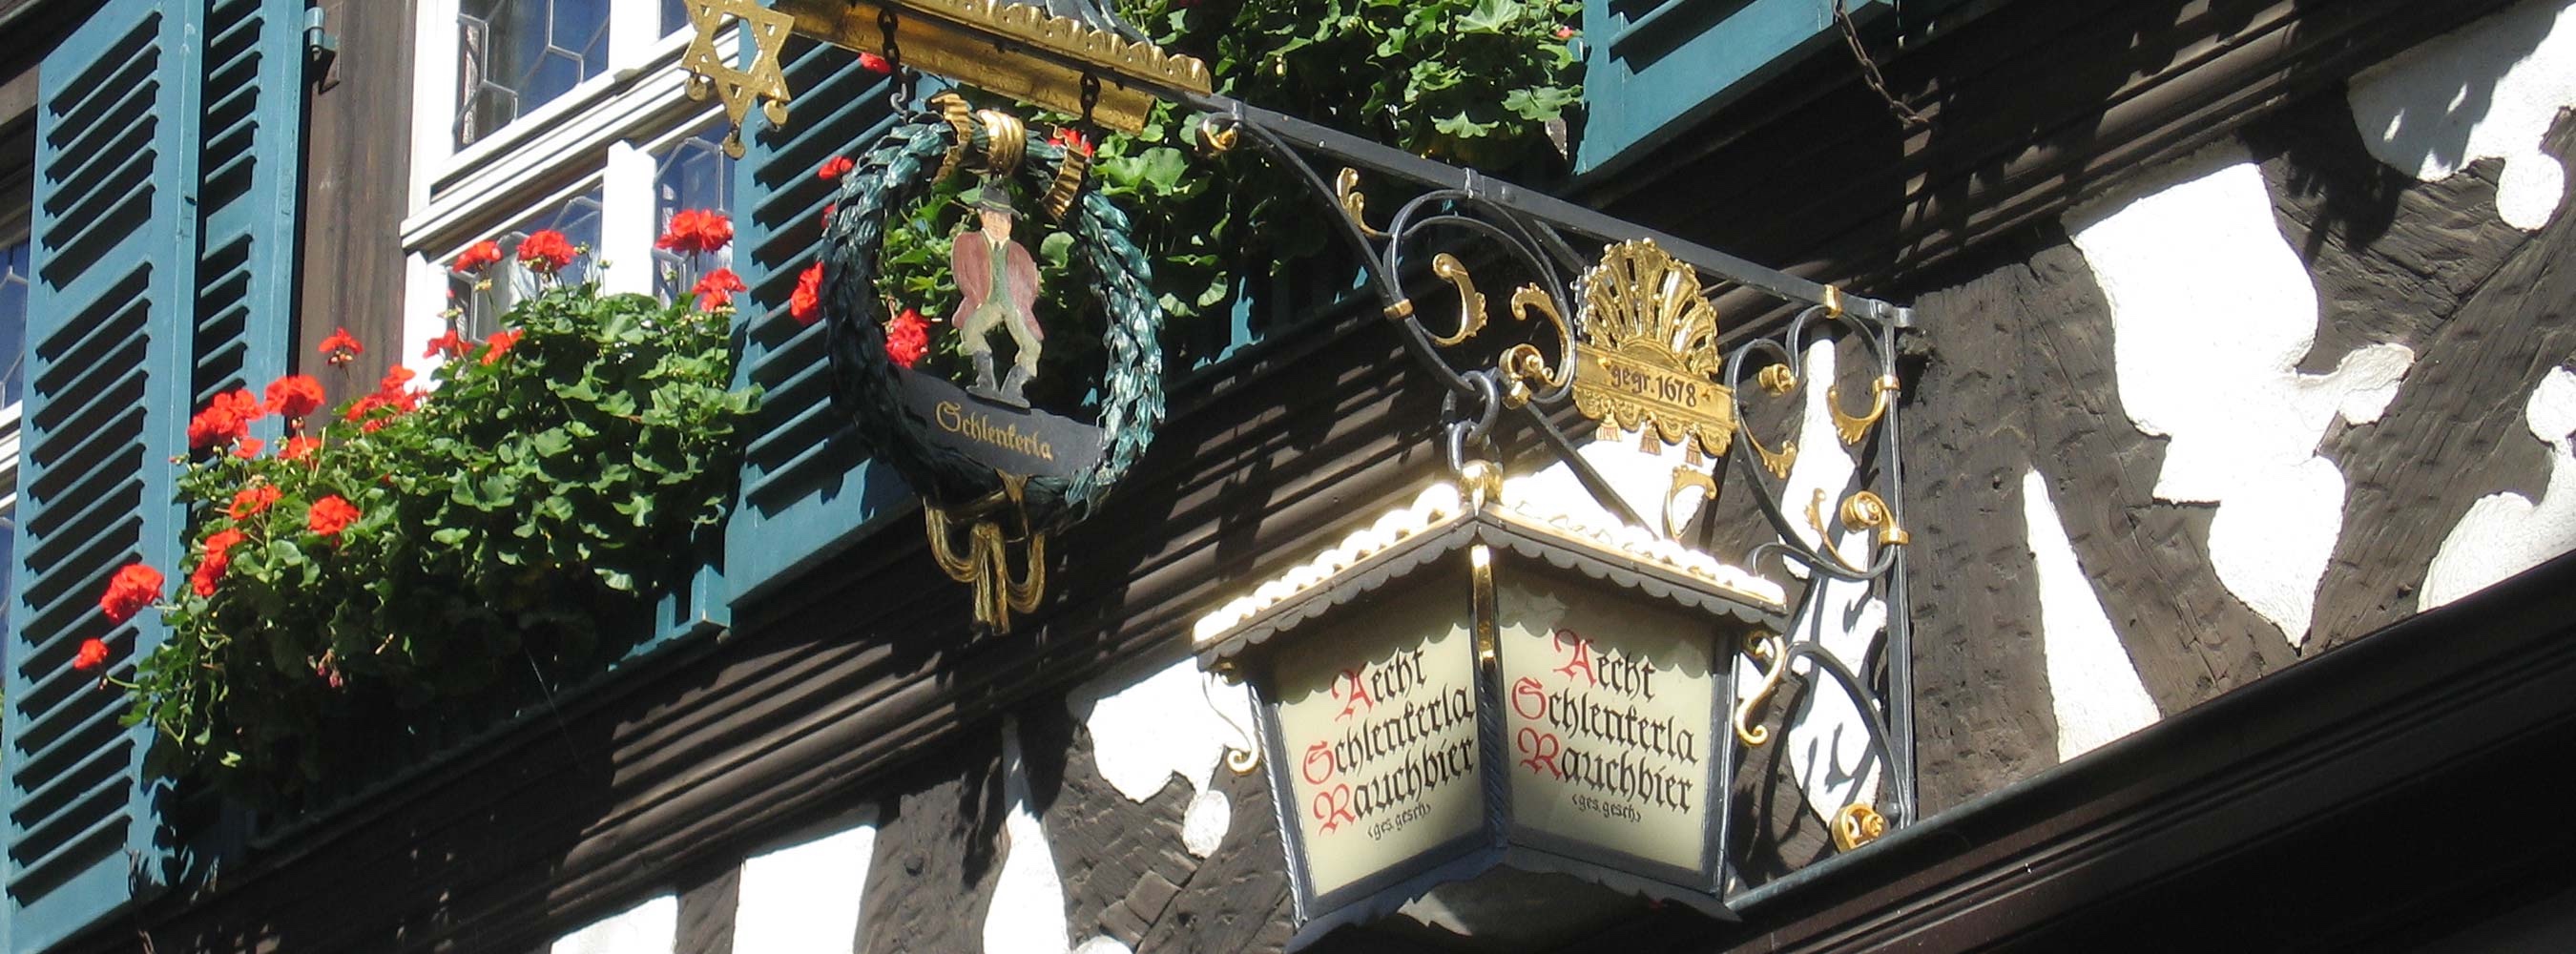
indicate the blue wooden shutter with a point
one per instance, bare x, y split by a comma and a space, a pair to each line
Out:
252, 145
806, 486
168, 136
1653, 67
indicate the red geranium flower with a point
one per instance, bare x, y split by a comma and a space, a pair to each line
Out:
717, 288
907, 338
226, 419
248, 448
546, 251
694, 231
134, 587
1565, 33
213, 426
499, 344
295, 395
219, 556
92, 655
340, 347
450, 345
252, 500
298, 448
834, 168
1070, 140
806, 302
875, 64
330, 515
477, 256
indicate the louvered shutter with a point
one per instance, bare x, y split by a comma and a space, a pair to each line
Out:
1653, 67
806, 486
168, 135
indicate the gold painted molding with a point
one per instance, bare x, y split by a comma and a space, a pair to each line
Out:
958, 39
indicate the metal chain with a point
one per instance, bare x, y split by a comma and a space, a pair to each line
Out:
904, 79
1869, 72
1090, 101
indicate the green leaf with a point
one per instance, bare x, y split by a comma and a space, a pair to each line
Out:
1490, 16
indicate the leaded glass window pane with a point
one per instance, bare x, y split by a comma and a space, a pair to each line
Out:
13, 321
577, 218
691, 174
516, 55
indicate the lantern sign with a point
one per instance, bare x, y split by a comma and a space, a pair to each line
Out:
1483, 681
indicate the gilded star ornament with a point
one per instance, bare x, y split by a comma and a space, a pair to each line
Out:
741, 88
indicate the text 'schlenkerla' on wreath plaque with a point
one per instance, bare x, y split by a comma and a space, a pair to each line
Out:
1648, 353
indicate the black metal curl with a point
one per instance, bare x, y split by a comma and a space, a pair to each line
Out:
1522, 247
1865, 701
1766, 498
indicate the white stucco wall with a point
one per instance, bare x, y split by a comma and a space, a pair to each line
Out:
652, 927
803, 898
2486, 91
2212, 313
2506, 533
2093, 686
1174, 722
1027, 914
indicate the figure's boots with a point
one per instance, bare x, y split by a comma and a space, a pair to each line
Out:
1012, 385
983, 375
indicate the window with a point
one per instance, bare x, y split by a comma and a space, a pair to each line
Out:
569, 115
515, 55
17, 197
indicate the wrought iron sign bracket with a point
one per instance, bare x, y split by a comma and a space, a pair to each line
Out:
1621, 329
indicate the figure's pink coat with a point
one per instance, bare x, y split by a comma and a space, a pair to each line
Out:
971, 257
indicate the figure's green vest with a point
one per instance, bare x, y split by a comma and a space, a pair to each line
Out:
997, 300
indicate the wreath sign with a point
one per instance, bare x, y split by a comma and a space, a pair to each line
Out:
889, 405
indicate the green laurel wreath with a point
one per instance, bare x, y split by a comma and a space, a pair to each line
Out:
890, 177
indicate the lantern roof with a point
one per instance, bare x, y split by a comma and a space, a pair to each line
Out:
1528, 519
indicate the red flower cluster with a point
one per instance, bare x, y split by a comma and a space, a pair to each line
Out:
92, 655
225, 420
1070, 140
134, 587
218, 558
252, 501
451, 345
806, 303
834, 168
875, 64
393, 392
546, 251
477, 257
330, 515
695, 232
248, 448
907, 338
717, 288
341, 348
499, 344
294, 395
298, 448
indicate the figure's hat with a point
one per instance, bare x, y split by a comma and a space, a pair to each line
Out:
989, 198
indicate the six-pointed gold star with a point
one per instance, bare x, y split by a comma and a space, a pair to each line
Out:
740, 88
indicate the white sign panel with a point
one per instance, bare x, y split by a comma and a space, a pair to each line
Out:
1607, 706
1378, 720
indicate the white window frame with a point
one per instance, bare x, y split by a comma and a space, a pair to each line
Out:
599, 135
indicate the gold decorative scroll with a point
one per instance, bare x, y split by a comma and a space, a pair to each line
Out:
958, 39
1649, 351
